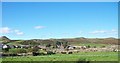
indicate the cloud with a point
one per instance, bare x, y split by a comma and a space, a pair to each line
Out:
5, 30
18, 32
113, 31
98, 32
39, 27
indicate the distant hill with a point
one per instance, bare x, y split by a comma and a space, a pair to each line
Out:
69, 40
74, 41
5, 39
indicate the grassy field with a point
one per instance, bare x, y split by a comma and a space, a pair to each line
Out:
82, 56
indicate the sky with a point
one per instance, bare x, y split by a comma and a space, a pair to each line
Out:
44, 20
60, 0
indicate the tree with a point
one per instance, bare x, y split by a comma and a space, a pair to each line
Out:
58, 43
94, 46
35, 49
48, 45
88, 46
65, 44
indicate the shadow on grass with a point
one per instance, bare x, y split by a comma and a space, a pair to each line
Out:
82, 60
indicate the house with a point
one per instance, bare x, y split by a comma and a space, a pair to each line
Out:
70, 47
41, 47
5, 46
25, 46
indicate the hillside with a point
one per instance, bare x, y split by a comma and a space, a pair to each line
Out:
5, 39
73, 41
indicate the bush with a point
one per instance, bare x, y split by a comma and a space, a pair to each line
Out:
17, 50
42, 52
30, 50
88, 46
13, 51
50, 52
21, 50
35, 49
5, 49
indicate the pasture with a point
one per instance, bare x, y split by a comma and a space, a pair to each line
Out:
82, 56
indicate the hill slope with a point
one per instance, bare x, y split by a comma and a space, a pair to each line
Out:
73, 41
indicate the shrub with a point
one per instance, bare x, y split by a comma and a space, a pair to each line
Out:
21, 50
35, 49
50, 52
17, 50
42, 52
88, 46
13, 51
30, 50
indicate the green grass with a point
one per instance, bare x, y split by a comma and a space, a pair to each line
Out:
82, 56
0, 60
14, 43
